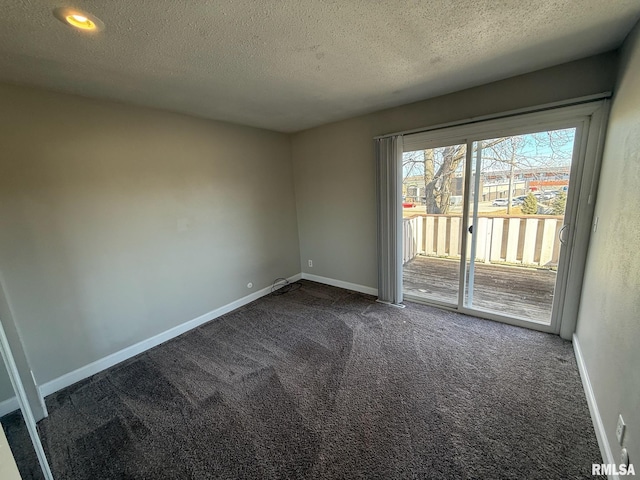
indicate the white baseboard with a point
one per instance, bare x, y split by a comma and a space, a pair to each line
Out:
601, 436
8, 406
339, 283
126, 353
99, 365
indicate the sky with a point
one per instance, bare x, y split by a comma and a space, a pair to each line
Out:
534, 150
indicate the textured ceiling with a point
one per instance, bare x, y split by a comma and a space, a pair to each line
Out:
292, 64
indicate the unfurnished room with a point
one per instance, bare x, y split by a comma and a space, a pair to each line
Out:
304, 239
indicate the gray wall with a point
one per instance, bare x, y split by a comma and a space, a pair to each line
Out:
6, 390
334, 169
20, 359
118, 223
608, 323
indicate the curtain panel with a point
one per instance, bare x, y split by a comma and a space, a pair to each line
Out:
389, 208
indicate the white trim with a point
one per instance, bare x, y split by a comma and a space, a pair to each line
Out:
9, 405
81, 373
389, 304
339, 283
601, 435
508, 113
43, 404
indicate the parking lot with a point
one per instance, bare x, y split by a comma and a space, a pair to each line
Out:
483, 208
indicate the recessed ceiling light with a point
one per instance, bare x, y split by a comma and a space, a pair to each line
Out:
80, 21
77, 19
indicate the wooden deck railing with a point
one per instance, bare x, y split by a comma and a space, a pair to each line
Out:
527, 240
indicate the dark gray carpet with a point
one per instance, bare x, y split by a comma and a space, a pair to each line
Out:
322, 383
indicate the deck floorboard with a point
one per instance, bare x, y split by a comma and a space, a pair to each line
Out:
507, 290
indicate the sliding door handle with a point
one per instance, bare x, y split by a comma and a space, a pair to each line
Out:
560, 234
470, 228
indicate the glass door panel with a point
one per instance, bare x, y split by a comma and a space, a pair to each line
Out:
432, 206
517, 200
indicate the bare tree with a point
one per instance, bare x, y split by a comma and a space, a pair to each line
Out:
535, 153
439, 167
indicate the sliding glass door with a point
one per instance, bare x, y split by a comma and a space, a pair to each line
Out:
432, 207
517, 204
489, 215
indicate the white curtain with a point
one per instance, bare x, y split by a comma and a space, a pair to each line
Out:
389, 200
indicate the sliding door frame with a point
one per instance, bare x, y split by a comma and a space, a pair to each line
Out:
589, 119
23, 402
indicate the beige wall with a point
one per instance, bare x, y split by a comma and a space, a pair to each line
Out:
334, 164
609, 323
118, 223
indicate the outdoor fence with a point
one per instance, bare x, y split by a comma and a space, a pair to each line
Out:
526, 240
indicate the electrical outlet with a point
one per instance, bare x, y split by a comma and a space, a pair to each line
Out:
311, 263
620, 429
624, 457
